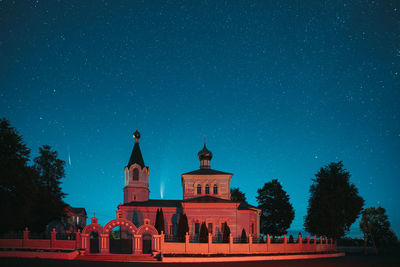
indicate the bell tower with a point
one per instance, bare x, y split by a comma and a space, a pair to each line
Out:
136, 175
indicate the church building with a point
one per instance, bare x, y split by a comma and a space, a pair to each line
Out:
206, 198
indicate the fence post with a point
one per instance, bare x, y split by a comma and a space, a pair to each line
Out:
300, 242
308, 240
187, 242
209, 242
78, 239
53, 238
162, 238
250, 242
26, 237
230, 242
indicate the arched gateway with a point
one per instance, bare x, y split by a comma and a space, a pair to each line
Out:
149, 236
118, 235
91, 237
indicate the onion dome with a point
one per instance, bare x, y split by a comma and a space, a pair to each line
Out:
136, 135
204, 154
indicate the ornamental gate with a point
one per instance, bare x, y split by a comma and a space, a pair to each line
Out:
120, 241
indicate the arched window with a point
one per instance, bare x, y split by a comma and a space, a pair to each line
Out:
215, 190
198, 189
135, 175
207, 189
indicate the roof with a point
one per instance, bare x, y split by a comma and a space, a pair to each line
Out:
136, 156
79, 211
155, 203
246, 206
207, 199
207, 172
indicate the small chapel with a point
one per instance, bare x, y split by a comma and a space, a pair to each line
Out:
206, 198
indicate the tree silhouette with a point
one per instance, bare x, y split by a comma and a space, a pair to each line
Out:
237, 195
183, 227
226, 231
334, 203
376, 227
203, 233
243, 237
276, 211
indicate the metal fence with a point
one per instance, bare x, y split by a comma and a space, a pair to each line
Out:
172, 238
61, 236
43, 236
16, 235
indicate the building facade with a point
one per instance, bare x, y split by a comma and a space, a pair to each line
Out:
206, 198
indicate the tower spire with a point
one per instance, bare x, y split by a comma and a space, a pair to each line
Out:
136, 156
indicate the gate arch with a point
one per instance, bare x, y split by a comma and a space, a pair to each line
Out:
122, 244
148, 233
87, 243
119, 222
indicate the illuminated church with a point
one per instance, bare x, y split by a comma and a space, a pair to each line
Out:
206, 198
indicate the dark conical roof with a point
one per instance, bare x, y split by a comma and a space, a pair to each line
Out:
136, 156
205, 153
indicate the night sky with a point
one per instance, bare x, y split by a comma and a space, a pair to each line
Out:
279, 89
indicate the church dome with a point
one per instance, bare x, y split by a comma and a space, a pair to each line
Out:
204, 154
136, 135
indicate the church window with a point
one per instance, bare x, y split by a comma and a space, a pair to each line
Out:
215, 189
198, 189
135, 175
207, 189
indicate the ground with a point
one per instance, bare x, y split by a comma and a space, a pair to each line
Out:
353, 260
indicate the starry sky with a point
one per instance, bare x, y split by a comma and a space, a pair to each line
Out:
278, 88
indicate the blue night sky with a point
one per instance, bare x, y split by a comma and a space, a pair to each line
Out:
279, 88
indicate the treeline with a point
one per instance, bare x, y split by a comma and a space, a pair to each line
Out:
333, 206
30, 192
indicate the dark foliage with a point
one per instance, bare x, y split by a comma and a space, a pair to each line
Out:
226, 231
203, 233
243, 237
237, 195
291, 239
183, 227
334, 203
30, 196
376, 228
276, 211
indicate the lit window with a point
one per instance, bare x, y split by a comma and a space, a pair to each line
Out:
198, 189
207, 189
215, 189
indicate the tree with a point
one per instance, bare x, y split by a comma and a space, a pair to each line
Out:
226, 231
162, 223
17, 180
334, 203
243, 237
376, 227
237, 195
157, 222
183, 227
30, 196
203, 233
50, 204
276, 211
